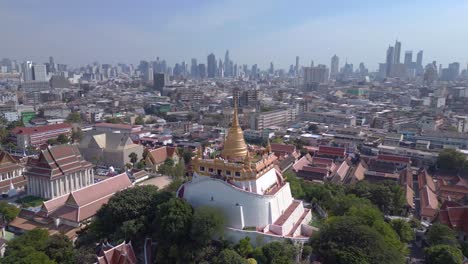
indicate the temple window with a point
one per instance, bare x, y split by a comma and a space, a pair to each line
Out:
238, 174
228, 173
202, 168
210, 170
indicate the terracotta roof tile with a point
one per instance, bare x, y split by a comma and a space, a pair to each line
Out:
39, 129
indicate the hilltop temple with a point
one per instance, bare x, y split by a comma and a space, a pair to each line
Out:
250, 190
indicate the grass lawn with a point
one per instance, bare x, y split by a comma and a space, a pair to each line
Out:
30, 201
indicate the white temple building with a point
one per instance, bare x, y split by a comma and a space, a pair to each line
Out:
250, 190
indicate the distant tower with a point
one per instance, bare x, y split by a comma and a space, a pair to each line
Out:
211, 62
397, 53
227, 64
272, 68
51, 64
27, 69
419, 58
389, 60
194, 69
335, 65
408, 58
296, 69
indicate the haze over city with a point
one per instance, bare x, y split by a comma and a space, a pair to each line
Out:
233, 132
259, 32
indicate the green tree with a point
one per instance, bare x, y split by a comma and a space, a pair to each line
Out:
440, 234
207, 223
138, 203
294, 183
179, 170
14, 124
60, 249
229, 256
63, 139
347, 239
77, 135
403, 229
169, 162
444, 254
52, 141
139, 120
133, 157
8, 211
244, 247
173, 221
113, 120
451, 159
74, 117
279, 252
36, 246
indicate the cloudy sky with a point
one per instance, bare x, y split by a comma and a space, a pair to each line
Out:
254, 31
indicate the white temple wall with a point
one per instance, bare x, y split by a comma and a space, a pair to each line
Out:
222, 195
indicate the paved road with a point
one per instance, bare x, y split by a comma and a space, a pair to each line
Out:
160, 182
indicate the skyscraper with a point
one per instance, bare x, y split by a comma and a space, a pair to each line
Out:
227, 65
313, 75
26, 68
220, 69
390, 59
419, 59
51, 64
272, 68
211, 62
334, 67
397, 53
408, 58
39, 72
296, 69
194, 69
202, 71
160, 81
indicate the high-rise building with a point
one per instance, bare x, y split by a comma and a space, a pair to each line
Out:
408, 58
296, 68
317, 74
51, 64
227, 65
211, 62
160, 81
194, 69
390, 59
39, 72
202, 71
220, 69
419, 59
26, 68
335, 66
397, 53
272, 68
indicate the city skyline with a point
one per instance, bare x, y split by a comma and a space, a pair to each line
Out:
77, 35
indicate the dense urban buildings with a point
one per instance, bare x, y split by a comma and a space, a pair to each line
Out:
268, 144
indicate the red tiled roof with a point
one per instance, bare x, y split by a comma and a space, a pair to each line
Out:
275, 147
393, 158
116, 126
121, 254
334, 151
425, 179
84, 203
454, 215
57, 161
39, 129
159, 155
429, 202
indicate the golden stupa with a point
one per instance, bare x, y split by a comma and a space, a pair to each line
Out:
234, 145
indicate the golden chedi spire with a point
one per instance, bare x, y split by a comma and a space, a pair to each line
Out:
234, 145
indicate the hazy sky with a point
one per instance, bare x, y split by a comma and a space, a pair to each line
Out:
254, 31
